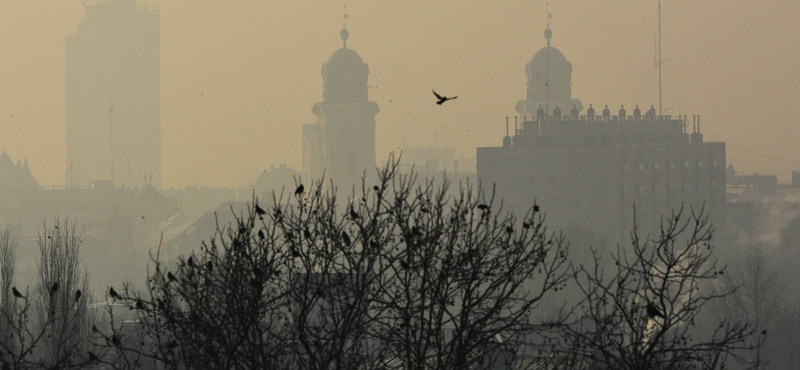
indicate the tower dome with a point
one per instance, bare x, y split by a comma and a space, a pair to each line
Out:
549, 81
345, 76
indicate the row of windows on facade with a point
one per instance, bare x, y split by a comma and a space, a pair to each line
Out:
575, 181
641, 166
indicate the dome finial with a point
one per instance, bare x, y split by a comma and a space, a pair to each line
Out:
548, 34
344, 34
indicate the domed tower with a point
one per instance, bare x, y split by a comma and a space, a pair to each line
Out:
341, 144
549, 81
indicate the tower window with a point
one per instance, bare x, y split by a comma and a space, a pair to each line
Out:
656, 166
700, 164
641, 166
671, 165
686, 164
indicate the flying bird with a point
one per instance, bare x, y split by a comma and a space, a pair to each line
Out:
16, 293
442, 99
652, 311
300, 189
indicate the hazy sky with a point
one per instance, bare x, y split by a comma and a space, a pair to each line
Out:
257, 65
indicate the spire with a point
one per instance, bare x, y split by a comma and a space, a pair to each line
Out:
344, 34
548, 34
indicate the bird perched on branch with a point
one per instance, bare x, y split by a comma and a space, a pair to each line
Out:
78, 295
300, 189
112, 292
16, 293
442, 99
260, 212
54, 288
652, 311
345, 239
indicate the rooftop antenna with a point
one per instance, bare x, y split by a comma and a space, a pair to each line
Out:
660, 62
548, 34
344, 32
111, 126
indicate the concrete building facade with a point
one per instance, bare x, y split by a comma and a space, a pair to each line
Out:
113, 96
594, 170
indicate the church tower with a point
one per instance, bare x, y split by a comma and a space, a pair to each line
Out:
549, 82
341, 144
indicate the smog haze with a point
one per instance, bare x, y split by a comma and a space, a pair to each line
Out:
239, 78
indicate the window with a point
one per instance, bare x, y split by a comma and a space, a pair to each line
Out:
699, 164
624, 168
714, 163
686, 185
641, 166
686, 164
671, 165
641, 189
656, 166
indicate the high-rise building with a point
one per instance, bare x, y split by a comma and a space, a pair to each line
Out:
341, 144
594, 170
113, 96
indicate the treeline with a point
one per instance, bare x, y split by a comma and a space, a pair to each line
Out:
403, 275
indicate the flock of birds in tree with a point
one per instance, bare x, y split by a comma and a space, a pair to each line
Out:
652, 310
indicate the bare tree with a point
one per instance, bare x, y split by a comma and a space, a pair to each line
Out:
643, 314
464, 276
400, 271
48, 327
8, 258
759, 297
61, 311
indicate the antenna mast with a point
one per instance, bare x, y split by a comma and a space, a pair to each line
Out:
659, 62
547, 35
111, 126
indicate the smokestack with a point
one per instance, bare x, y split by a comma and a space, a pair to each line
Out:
506, 125
698, 123
516, 129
